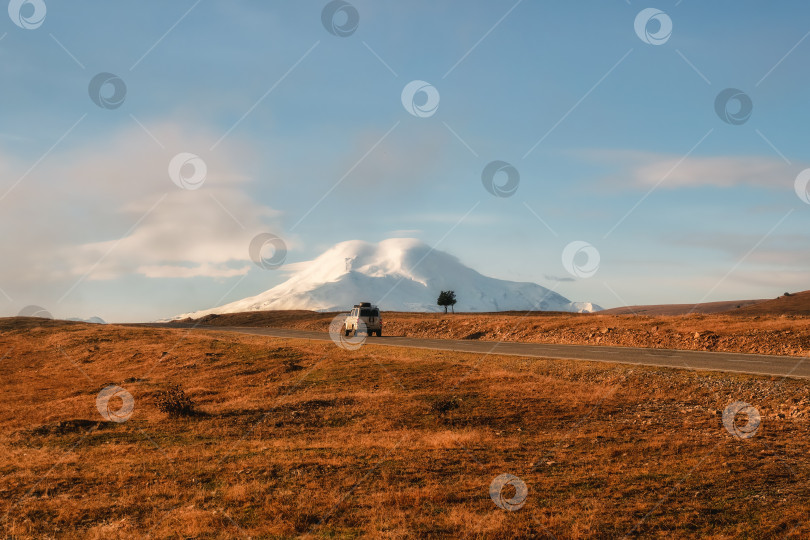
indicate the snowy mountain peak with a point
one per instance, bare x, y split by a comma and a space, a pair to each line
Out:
395, 256
398, 274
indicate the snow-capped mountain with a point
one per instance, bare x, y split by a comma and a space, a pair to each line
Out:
399, 274
93, 320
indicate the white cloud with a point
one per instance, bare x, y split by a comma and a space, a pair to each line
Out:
207, 270
449, 217
408, 233
779, 251
109, 209
646, 169
396, 163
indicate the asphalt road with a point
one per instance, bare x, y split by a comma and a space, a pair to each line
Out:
758, 364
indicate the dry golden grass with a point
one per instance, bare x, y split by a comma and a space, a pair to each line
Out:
303, 439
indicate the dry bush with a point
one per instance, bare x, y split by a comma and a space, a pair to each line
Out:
445, 405
174, 402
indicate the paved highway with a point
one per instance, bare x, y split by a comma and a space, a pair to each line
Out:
758, 364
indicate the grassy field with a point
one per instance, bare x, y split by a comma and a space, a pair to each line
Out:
291, 438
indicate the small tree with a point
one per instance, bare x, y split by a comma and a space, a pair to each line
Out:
447, 298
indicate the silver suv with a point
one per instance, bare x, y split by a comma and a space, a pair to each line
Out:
363, 318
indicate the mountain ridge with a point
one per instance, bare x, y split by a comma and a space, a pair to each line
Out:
398, 274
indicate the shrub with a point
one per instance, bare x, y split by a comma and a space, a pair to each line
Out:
174, 402
291, 364
444, 406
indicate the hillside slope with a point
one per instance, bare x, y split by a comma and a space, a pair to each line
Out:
795, 304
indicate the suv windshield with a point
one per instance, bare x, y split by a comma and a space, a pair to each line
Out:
368, 312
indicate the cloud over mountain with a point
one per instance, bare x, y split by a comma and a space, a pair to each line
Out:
398, 274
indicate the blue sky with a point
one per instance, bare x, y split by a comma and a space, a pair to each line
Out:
617, 143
